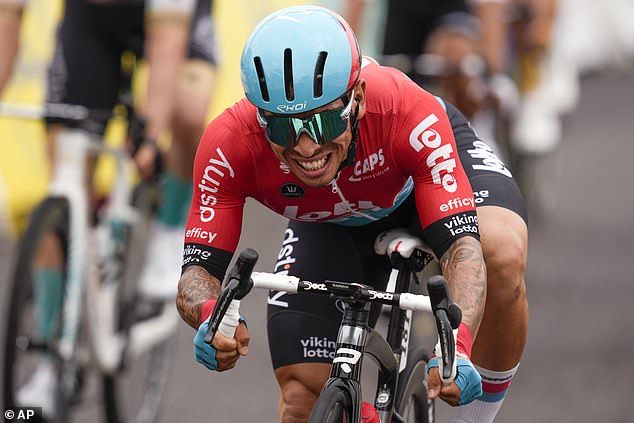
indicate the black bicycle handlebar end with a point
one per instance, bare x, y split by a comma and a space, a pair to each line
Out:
440, 299
249, 255
222, 304
447, 342
448, 316
438, 292
237, 285
242, 271
454, 313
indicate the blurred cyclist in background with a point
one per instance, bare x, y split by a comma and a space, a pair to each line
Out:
515, 36
486, 57
584, 37
446, 29
177, 40
478, 54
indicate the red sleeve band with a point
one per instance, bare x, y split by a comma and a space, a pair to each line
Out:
464, 340
208, 308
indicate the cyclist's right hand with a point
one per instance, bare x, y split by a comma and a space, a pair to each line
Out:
224, 352
468, 383
465, 388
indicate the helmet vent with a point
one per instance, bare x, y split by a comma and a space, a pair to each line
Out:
288, 74
318, 85
259, 69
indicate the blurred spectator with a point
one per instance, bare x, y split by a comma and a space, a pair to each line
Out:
586, 37
446, 29
10, 18
177, 40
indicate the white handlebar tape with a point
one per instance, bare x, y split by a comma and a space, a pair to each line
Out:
231, 320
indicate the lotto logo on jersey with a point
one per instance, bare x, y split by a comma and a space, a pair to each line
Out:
439, 160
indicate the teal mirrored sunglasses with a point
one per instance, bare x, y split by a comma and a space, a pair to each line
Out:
322, 127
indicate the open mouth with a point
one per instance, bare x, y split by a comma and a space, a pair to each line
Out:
314, 166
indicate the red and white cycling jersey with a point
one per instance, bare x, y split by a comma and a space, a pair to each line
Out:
405, 144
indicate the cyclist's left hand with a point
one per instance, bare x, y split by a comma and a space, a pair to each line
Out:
465, 388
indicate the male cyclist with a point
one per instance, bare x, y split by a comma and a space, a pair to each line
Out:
346, 149
176, 38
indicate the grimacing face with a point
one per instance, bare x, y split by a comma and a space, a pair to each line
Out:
316, 165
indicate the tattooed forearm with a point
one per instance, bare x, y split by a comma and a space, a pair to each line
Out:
195, 287
463, 267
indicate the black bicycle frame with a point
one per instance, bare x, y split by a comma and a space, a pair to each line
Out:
356, 338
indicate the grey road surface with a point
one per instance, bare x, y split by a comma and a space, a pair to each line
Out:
578, 364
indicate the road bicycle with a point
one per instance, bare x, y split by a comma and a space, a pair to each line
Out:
401, 390
100, 322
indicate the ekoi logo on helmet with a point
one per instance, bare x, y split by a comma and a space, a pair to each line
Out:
292, 108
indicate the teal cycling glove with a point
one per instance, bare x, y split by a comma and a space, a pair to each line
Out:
205, 354
467, 377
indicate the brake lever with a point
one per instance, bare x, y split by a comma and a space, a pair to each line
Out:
448, 316
236, 286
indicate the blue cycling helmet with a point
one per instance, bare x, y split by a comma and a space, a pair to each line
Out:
298, 59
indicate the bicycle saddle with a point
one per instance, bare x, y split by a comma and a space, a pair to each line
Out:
399, 240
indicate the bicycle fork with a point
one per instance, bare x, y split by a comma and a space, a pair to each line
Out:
355, 339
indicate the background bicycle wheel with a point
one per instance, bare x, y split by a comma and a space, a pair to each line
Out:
579, 282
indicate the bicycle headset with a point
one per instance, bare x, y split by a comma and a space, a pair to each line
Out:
296, 60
